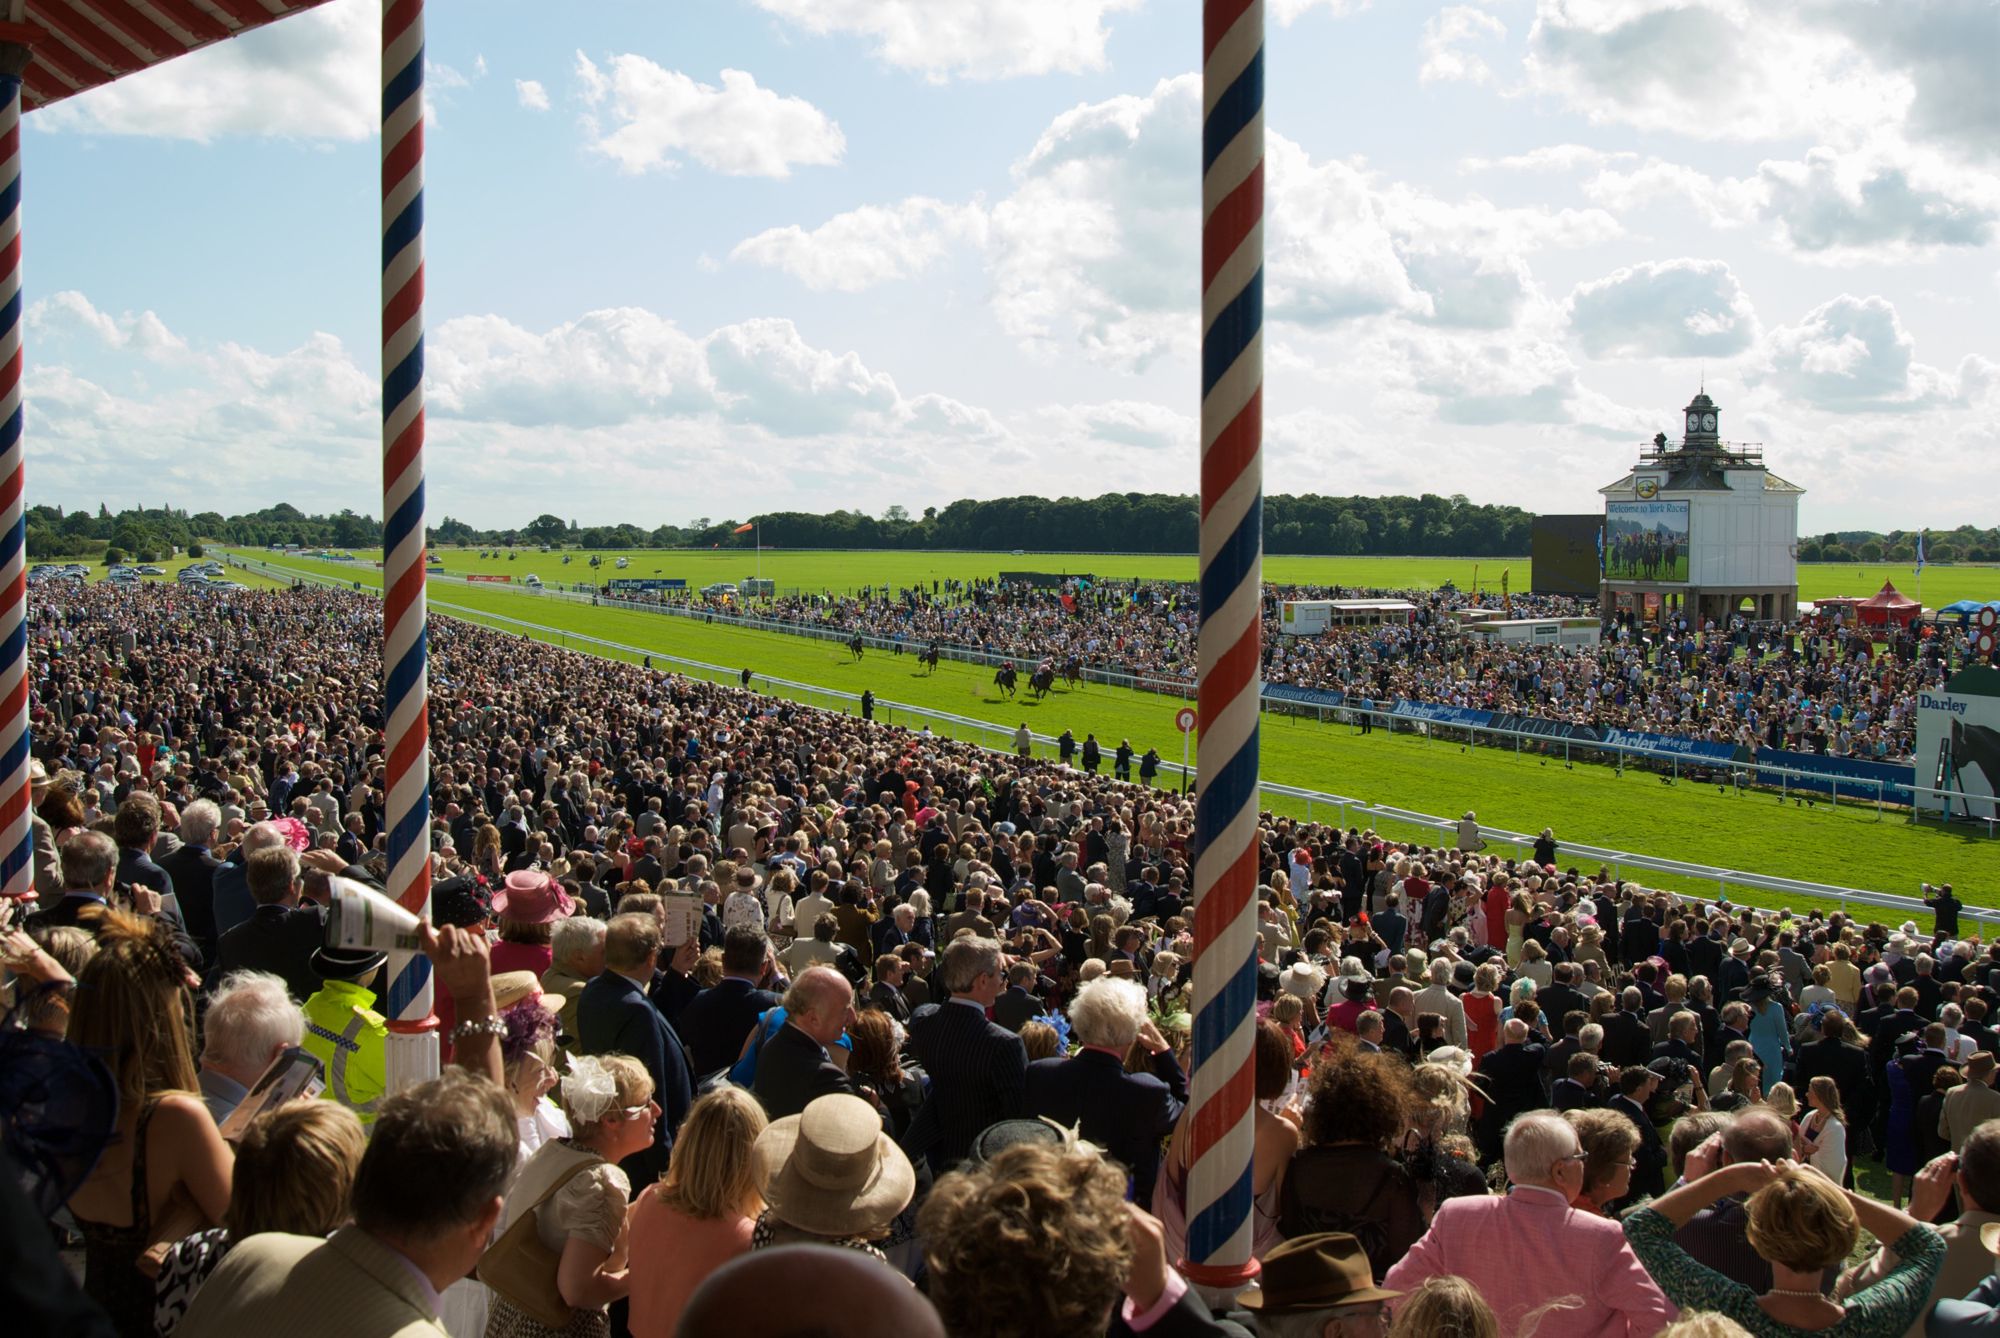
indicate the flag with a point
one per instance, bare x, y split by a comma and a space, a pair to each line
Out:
1600, 550
745, 527
1920, 552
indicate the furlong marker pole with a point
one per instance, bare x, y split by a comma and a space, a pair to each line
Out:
413, 1047
1232, 545
17, 836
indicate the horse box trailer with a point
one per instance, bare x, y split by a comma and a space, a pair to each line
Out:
1541, 631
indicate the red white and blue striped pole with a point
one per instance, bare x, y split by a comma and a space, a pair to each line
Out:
17, 837
413, 1048
1232, 547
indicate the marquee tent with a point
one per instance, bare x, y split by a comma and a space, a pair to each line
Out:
1889, 607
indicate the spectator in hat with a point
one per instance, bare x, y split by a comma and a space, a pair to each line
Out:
528, 905
1970, 1104
829, 1175
343, 1030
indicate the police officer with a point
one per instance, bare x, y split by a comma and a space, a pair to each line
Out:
345, 1033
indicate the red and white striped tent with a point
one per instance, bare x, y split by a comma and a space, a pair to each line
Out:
84, 44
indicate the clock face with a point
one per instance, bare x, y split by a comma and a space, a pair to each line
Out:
1694, 422
1708, 422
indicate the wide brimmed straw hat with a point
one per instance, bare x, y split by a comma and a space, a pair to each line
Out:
831, 1171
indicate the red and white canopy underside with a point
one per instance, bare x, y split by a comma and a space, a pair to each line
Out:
92, 42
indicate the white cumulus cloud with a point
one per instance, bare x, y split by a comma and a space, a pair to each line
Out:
531, 94
866, 246
1664, 309
659, 116
1448, 38
1853, 353
966, 39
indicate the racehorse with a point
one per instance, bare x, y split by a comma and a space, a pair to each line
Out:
1040, 684
1072, 672
854, 647
928, 658
1004, 679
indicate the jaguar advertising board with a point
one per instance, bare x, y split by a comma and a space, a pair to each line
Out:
1646, 541
1958, 745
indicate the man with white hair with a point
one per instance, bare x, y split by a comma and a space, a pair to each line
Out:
576, 955
1438, 998
193, 868
251, 1020
1521, 1251
1126, 1114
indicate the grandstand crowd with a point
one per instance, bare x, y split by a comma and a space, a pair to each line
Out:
765, 1020
1816, 685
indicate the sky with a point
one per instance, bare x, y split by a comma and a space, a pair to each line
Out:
716, 257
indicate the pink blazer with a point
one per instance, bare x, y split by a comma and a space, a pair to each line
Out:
1528, 1249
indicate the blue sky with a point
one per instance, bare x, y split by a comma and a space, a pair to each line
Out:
720, 256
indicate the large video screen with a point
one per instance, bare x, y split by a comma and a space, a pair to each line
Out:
1564, 549
1646, 541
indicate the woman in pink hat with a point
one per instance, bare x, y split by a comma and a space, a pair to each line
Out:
528, 905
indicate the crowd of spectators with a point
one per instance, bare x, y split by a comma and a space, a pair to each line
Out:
761, 1019
1815, 685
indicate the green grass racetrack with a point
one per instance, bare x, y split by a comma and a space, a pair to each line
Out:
1593, 804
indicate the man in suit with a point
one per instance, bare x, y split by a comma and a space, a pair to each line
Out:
135, 827
893, 930
1562, 997
1582, 1084
794, 1067
1705, 953
1126, 1114
716, 1021
1018, 1006
614, 1016
1512, 1077
90, 872
1627, 1038
978, 1068
1635, 1090
426, 1199
1509, 1249
887, 991
281, 935
192, 870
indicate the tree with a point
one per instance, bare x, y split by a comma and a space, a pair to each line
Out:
196, 550
545, 529
1872, 551
113, 556
897, 515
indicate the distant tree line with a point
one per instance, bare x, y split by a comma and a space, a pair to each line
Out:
1131, 522
1967, 543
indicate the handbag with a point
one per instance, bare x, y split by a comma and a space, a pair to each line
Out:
522, 1269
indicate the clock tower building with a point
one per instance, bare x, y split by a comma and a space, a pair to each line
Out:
1702, 531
